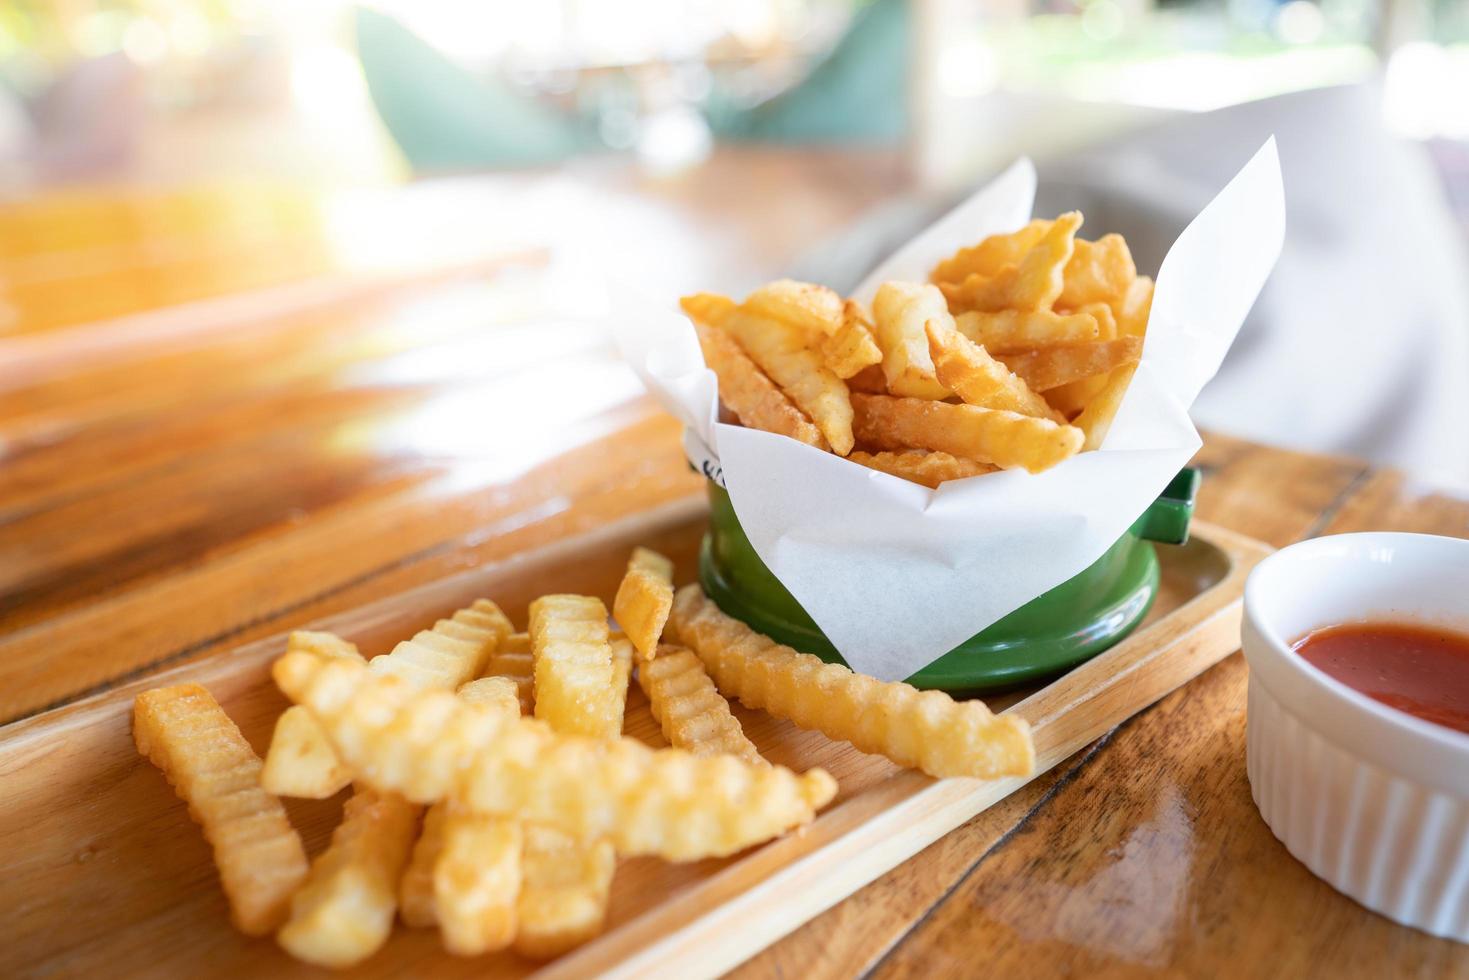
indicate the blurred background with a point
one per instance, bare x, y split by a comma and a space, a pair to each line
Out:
172, 171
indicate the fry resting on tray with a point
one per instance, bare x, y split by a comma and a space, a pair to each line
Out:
925, 729
526, 817
429, 746
1034, 326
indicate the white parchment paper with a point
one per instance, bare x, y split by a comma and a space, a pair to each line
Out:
896, 574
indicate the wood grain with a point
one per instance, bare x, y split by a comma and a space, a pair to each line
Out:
1153, 860
110, 822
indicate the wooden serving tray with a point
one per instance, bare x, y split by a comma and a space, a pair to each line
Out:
104, 872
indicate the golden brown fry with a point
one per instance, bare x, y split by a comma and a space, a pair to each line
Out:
746, 391
515, 662
1034, 283
418, 902
922, 466
854, 345
709, 308
1098, 272
452, 652
1070, 399
566, 881
991, 255
184, 732
300, 761
569, 635
1056, 366
477, 882
1096, 419
815, 310
967, 369
564, 891
902, 311
499, 693
429, 745
1133, 310
781, 352
1106, 320
644, 598
694, 716
1004, 439
344, 912
1013, 330
927, 730
870, 380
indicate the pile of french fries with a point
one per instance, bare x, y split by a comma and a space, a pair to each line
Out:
501, 830
1015, 355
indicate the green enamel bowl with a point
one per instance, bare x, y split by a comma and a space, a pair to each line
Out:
1049, 635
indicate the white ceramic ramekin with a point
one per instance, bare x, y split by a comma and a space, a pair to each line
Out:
1372, 800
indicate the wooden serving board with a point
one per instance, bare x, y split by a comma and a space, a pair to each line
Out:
104, 873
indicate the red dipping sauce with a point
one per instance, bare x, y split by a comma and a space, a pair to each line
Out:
1420, 670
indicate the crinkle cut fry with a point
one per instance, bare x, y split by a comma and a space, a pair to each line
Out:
643, 600
569, 635
344, 912
567, 882
515, 662
418, 901
692, 713
429, 746
927, 730
184, 732
922, 466
988, 435
301, 761
450, 653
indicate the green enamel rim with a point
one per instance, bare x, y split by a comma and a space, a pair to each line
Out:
1052, 633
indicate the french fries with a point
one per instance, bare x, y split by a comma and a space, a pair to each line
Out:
300, 761
516, 663
563, 897
462, 875
643, 600
1014, 330
970, 372
565, 881
1053, 367
1034, 323
477, 882
1036, 282
416, 902
986, 435
1133, 309
926, 730
693, 715
902, 311
781, 352
923, 466
449, 654
853, 347
992, 255
813, 309
569, 635
429, 746
344, 912
1096, 419
185, 733
756, 400
1097, 272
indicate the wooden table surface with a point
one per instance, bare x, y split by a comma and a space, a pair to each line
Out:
274, 462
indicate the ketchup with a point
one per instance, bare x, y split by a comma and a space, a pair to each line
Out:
1420, 670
